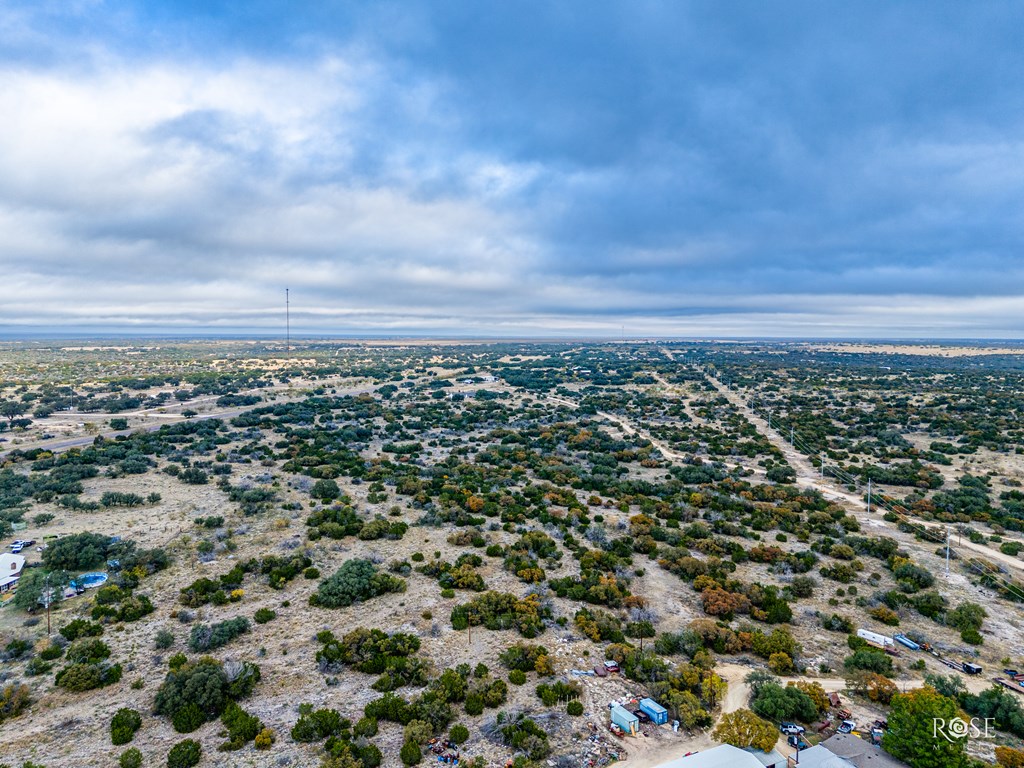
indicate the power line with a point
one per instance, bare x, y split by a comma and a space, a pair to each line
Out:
924, 531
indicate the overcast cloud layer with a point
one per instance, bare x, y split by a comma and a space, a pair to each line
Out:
679, 168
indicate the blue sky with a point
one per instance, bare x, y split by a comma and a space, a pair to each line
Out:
678, 168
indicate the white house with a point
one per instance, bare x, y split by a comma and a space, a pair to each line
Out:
10, 570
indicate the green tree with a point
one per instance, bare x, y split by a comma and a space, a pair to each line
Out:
184, 754
12, 409
77, 552
687, 709
410, 753
123, 725
968, 618
130, 758
912, 735
947, 685
354, 582
640, 630
32, 585
774, 702
419, 731
869, 660
759, 678
327, 490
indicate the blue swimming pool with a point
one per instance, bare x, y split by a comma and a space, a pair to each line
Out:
89, 580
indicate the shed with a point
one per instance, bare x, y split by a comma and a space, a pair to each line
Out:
654, 710
625, 719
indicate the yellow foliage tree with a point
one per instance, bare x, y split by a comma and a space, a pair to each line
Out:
880, 688
1008, 757
712, 689
815, 691
543, 666
780, 663
743, 728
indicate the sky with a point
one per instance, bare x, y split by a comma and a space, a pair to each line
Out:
704, 168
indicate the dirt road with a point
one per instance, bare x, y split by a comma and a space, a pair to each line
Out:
808, 475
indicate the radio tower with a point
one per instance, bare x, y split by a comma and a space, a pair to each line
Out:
287, 321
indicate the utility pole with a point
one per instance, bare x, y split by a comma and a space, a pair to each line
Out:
769, 419
822, 458
48, 598
948, 534
869, 495
791, 434
287, 321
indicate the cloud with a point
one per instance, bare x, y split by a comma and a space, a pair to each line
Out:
679, 169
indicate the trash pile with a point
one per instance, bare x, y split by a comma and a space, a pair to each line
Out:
597, 750
447, 752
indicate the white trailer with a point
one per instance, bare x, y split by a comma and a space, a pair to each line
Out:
877, 639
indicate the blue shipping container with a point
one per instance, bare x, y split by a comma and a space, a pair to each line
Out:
654, 710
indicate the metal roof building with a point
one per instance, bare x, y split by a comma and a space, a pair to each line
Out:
820, 757
861, 753
722, 756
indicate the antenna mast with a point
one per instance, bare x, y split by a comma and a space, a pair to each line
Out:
287, 321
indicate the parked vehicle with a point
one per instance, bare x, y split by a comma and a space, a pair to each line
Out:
798, 742
847, 726
1013, 685
792, 728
